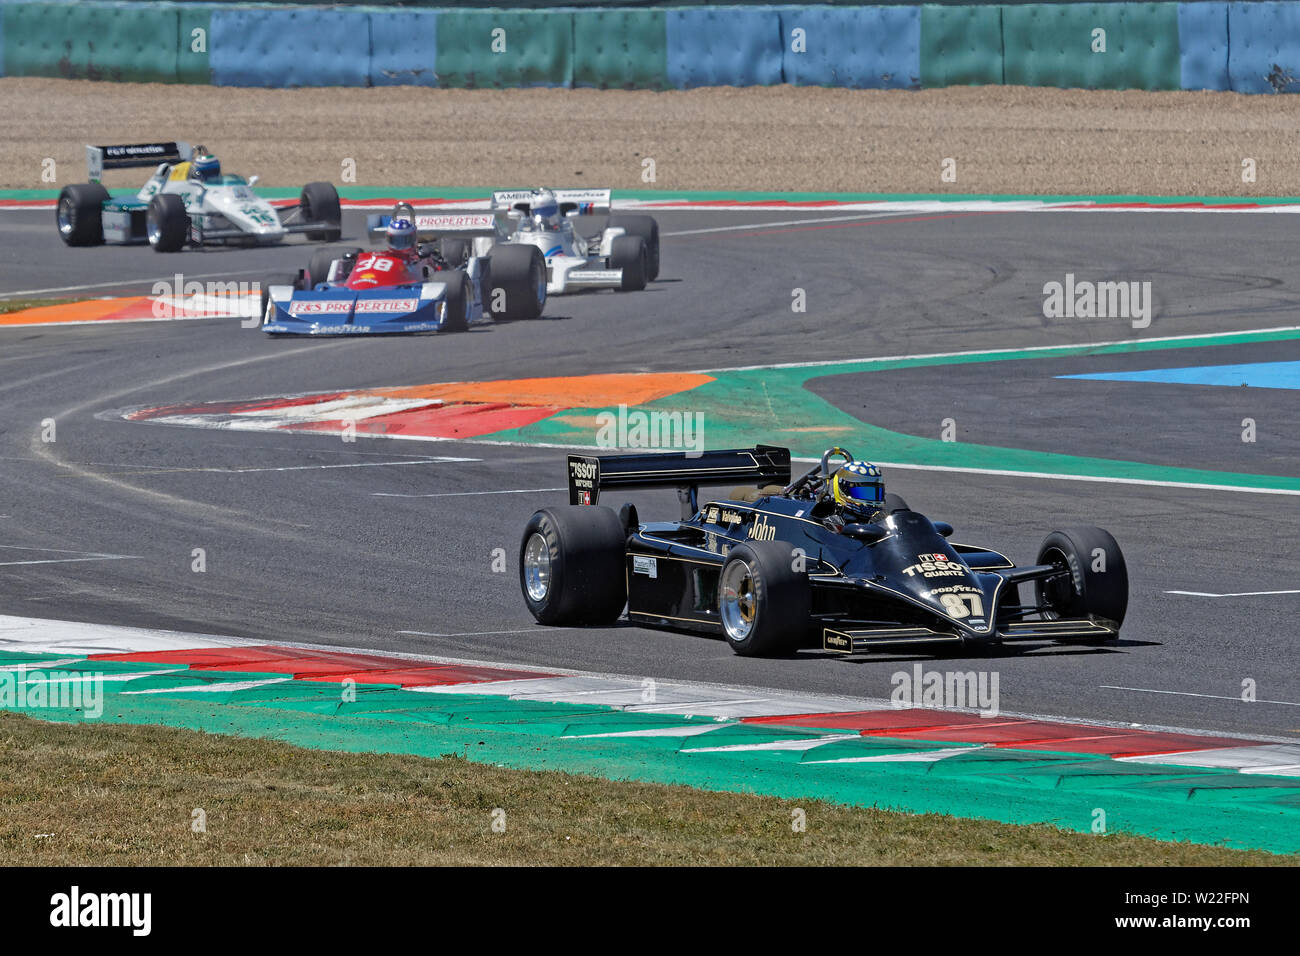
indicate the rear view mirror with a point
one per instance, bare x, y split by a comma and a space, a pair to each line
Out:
253, 180
943, 527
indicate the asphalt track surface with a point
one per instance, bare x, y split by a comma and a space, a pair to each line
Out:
388, 545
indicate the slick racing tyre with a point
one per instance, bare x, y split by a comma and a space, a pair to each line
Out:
457, 299
454, 252
648, 229
80, 214
1097, 580
628, 253
516, 287
318, 268
571, 565
764, 605
166, 222
319, 202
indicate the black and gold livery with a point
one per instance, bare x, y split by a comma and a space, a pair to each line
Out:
777, 565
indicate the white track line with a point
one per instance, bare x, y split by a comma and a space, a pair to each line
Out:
462, 494
162, 470
1210, 594
744, 227
1182, 693
1104, 479
1010, 349
126, 282
81, 556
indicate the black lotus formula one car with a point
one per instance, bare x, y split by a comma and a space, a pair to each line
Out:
767, 569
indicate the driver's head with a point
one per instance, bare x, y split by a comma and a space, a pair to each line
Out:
859, 489
544, 208
401, 235
205, 168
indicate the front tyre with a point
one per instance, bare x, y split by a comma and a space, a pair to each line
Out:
80, 214
765, 606
629, 254
319, 202
571, 565
166, 222
457, 299
648, 229
1095, 578
516, 283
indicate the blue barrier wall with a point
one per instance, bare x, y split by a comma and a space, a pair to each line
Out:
858, 47
1251, 47
1203, 46
404, 49
289, 47
1263, 36
723, 46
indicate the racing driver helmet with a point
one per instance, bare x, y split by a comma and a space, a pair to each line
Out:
401, 235
859, 489
545, 209
205, 168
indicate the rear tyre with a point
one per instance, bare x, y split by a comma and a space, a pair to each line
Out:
571, 565
457, 299
517, 283
80, 214
455, 252
318, 269
648, 229
319, 202
629, 254
1096, 584
765, 606
166, 222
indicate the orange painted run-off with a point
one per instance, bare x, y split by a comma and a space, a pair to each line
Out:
91, 310
579, 391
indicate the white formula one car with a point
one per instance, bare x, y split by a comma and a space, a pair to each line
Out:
187, 201
623, 254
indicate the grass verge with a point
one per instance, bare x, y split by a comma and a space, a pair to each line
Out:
18, 305
112, 794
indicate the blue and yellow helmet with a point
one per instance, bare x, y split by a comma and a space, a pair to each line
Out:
859, 488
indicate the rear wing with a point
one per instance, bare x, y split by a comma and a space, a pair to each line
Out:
581, 202
100, 158
465, 226
760, 465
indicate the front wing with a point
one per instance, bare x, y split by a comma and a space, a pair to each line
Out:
345, 312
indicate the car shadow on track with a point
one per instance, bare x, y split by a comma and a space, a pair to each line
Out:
983, 653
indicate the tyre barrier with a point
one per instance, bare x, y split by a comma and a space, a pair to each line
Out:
1094, 46
620, 49
856, 47
1264, 47
1251, 47
723, 46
